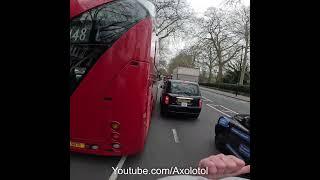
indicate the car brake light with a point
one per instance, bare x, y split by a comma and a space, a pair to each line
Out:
166, 99
200, 103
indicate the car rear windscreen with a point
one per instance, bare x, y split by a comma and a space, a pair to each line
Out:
184, 88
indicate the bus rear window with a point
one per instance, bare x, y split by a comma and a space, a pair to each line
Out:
94, 32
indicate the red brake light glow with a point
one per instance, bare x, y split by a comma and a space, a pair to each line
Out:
166, 99
115, 136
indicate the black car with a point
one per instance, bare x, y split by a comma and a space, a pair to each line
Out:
181, 97
232, 136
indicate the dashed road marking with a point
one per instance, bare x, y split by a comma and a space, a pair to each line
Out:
114, 175
206, 99
175, 136
229, 110
218, 110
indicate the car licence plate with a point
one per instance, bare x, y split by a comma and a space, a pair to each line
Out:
77, 145
184, 104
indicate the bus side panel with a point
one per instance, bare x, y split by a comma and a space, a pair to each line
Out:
130, 106
95, 103
148, 103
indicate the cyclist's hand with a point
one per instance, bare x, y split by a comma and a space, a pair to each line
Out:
221, 165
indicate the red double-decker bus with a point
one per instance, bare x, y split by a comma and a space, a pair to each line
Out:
113, 75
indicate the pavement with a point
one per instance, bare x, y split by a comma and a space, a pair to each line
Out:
232, 95
171, 142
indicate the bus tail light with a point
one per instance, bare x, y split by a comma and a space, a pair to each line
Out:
116, 145
94, 147
115, 136
200, 103
166, 100
115, 125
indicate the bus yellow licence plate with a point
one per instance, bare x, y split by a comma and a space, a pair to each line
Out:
77, 145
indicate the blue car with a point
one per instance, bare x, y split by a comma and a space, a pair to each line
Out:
232, 136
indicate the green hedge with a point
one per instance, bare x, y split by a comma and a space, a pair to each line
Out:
229, 87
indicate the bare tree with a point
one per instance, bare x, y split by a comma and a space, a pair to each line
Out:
171, 20
164, 50
181, 60
233, 70
241, 27
232, 2
216, 31
171, 16
208, 57
194, 50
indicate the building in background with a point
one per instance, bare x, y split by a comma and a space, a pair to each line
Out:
186, 74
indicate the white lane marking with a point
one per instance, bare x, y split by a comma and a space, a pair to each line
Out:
218, 110
226, 111
229, 109
206, 99
114, 175
175, 135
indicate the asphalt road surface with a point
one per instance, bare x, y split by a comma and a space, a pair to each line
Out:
171, 142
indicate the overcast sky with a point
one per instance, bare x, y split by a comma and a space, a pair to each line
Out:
200, 7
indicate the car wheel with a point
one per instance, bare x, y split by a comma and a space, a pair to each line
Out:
163, 111
195, 117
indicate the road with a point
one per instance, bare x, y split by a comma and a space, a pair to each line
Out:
171, 142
